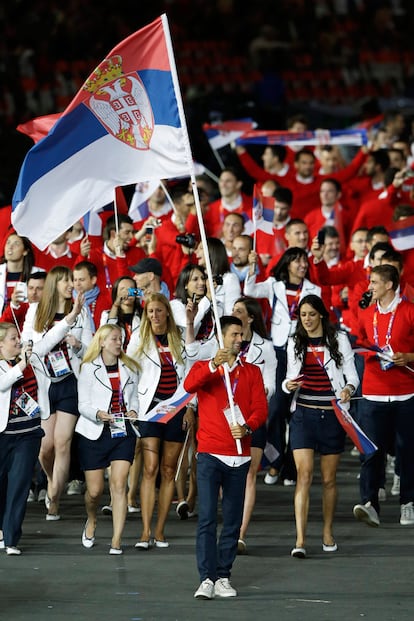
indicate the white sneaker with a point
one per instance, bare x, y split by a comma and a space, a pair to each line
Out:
223, 588
354, 452
382, 494
289, 482
205, 590
390, 466
366, 513
407, 514
13, 551
395, 490
41, 495
75, 488
31, 496
271, 479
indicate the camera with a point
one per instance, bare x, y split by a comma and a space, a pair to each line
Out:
135, 293
365, 300
321, 237
218, 279
188, 240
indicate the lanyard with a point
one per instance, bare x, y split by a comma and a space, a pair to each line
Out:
164, 352
390, 324
235, 381
294, 305
106, 270
316, 354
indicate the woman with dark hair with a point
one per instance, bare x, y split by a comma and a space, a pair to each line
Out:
126, 309
257, 349
320, 369
16, 265
191, 285
283, 290
227, 284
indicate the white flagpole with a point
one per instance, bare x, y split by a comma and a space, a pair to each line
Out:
200, 219
116, 214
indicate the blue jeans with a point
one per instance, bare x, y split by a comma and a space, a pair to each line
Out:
381, 421
18, 458
215, 558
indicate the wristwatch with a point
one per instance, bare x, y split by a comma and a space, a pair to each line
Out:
248, 429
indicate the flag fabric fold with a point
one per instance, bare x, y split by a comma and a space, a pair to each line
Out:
125, 125
364, 445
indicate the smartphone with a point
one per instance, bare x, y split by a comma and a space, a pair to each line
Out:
194, 300
321, 237
300, 378
21, 288
149, 231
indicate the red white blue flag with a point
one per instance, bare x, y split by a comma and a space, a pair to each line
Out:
220, 135
402, 234
355, 137
164, 411
126, 124
353, 430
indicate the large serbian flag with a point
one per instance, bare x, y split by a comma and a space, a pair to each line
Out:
126, 124
353, 430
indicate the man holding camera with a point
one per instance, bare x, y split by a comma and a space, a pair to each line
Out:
387, 330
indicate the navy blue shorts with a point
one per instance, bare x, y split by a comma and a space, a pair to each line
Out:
259, 437
63, 395
316, 429
98, 454
170, 432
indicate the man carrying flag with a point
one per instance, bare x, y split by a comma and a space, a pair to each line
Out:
387, 328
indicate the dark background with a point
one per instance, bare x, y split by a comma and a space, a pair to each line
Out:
336, 61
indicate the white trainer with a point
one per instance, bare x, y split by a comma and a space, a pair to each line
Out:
407, 514
366, 513
223, 588
395, 490
205, 590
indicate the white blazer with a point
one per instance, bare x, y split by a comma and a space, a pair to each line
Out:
81, 329
180, 317
9, 375
346, 374
150, 373
228, 293
95, 393
274, 290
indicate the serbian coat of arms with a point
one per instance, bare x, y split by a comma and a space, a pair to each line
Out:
120, 102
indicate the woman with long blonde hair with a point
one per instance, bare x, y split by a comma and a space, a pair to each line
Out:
162, 357
57, 373
108, 399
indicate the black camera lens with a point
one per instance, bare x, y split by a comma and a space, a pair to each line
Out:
218, 279
188, 240
365, 300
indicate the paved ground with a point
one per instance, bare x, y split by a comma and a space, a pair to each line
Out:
369, 578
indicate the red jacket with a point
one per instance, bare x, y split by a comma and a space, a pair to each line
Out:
213, 433
396, 380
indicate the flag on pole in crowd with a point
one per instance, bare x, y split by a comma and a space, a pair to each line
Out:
353, 430
124, 125
354, 137
262, 212
402, 234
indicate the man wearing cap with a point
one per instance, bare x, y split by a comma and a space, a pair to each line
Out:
147, 276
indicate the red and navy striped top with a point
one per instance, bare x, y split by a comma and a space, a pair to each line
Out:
117, 401
316, 389
167, 384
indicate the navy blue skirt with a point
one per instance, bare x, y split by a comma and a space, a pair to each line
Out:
98, 454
